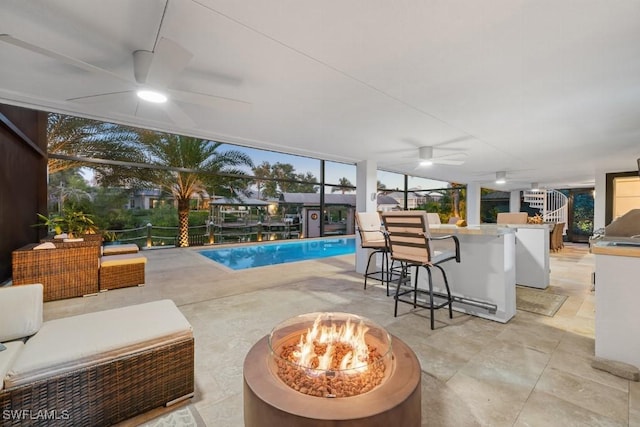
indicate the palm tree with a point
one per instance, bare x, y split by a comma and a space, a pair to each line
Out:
262, 172
275, 179
80, 137
67, 186
198, 162
456, 203
345, 185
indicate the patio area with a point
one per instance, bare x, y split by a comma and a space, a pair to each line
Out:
533, 371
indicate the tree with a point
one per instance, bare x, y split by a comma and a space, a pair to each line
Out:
279, 178
262, 171
309, 183
345, 185
110, 212
67, 187
80, 137
457, 204
203, 157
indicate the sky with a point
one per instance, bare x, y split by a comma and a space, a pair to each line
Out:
334, 171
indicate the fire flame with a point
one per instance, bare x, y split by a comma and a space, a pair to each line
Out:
348, 335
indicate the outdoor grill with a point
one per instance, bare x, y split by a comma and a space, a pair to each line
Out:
624, 231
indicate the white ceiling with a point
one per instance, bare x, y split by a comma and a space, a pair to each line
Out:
546, 90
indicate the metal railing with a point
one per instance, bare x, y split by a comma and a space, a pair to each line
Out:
157, 236
553, 205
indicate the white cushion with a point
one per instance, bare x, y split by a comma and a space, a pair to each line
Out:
74, 342
61, 236
45, 245
433, 218
512, 218
7, 357
128, 248
20, 311
370, 226
123, 259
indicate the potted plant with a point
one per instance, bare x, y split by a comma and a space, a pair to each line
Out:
109, 237
73, 223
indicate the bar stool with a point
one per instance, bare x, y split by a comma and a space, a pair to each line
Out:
372, 237
411, 244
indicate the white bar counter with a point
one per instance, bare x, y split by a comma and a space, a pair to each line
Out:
617, 298
532, 254
486, 272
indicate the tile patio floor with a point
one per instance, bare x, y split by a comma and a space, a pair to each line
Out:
533, 371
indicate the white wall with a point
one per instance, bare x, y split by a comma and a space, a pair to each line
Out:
473, 203
514, 201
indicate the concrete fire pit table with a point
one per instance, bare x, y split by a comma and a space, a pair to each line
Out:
269, 401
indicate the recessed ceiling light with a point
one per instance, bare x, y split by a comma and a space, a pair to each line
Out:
426, 163
152, 96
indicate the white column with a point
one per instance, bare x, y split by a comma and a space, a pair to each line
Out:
366, 201
514, 201
599, 200
473, 203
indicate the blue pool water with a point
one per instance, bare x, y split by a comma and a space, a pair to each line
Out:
242, 257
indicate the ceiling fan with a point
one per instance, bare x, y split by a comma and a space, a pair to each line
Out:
153, 71
426, 157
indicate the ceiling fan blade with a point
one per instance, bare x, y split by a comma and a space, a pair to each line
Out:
110, 97
60, 57
448, 162
210, 101
178, 115
164, 64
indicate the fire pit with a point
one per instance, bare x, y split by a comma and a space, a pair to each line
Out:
339, 355
331, 369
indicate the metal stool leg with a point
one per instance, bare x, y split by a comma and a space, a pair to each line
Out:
449, 298
403, 273
415, 289
432, 319
366, 271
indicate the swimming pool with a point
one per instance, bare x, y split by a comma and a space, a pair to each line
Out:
243, 257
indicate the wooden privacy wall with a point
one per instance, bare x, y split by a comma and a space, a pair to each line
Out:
23, 179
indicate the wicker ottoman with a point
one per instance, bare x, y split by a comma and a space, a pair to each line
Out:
121, 271
129, 248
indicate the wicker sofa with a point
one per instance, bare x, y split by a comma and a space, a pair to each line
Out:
67, 270
93, 369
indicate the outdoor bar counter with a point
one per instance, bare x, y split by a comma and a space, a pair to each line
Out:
617, 295
484, 282
532, 254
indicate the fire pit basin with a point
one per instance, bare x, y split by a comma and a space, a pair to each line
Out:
336, 355
379, 388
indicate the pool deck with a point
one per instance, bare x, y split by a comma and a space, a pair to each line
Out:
534, 370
